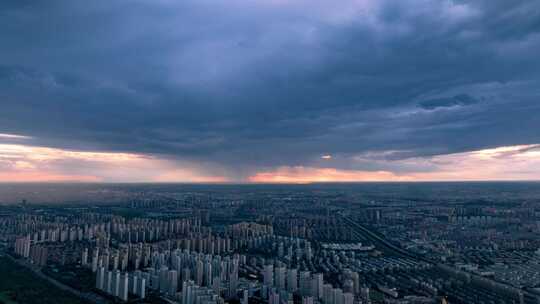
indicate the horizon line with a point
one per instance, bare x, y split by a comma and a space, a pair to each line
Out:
278, 183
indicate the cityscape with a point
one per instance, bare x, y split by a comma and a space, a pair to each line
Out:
270, 152
317, 243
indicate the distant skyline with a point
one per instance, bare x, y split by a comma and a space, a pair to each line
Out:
269, 91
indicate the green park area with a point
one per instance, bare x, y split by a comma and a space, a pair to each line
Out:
19, 285
6, 298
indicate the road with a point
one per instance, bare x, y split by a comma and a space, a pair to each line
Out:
381, 242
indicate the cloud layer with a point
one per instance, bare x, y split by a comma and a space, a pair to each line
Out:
236, 89
22, 163
499, 164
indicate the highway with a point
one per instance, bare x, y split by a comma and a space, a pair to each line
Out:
382, 243
385, 245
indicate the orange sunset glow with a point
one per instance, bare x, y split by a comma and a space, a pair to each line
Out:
24, 163
503, 163
21, 163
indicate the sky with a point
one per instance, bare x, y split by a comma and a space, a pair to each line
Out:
269, 90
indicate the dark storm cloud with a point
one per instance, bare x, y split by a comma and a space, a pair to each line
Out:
266, 83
